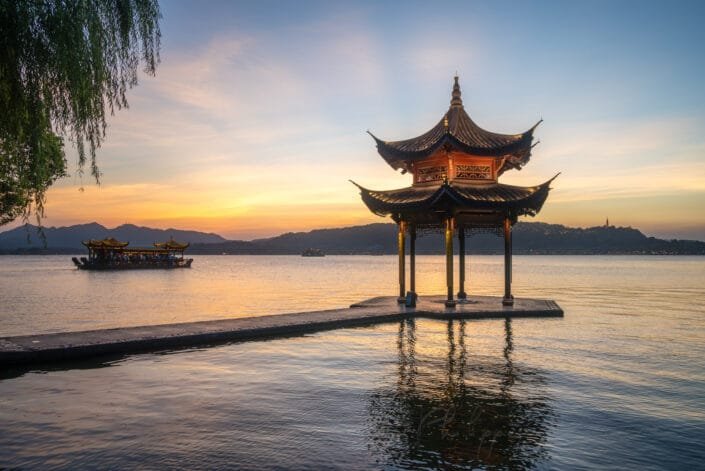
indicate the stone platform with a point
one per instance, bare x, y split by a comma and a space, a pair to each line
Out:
36, 349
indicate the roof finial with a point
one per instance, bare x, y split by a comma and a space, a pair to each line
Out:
456, 100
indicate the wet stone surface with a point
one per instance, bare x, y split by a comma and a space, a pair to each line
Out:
71, 345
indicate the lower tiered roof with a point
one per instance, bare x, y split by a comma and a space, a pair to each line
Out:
484, 204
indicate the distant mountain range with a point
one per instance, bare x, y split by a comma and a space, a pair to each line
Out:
68, 239
529, 238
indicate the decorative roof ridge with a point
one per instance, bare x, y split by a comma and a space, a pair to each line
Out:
531, 129
456, 99
377, 139
357, 185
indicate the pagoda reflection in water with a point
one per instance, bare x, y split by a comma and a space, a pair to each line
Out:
446, 412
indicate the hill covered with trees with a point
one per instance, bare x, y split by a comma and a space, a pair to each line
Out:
528, 237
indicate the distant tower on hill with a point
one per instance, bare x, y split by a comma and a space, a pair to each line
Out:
607, 222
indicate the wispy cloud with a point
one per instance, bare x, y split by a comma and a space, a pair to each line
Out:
249, 131
619, 159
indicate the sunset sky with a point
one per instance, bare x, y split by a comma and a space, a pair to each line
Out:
257, 116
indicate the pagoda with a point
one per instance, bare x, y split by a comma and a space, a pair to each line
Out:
456, 168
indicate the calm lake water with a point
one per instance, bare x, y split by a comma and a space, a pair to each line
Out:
618, 383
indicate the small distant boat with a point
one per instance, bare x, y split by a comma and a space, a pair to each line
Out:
313, 253
112, 254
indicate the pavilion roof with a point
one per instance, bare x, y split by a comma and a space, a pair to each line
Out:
107, 243
171, 244
453, 197
457, 130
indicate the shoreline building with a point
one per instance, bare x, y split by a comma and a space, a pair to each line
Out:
455, 168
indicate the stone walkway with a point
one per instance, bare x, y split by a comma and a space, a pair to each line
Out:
33, 349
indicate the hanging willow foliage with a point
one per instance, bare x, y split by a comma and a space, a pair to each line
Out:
63, 66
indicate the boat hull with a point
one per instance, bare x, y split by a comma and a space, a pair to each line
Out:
86, 265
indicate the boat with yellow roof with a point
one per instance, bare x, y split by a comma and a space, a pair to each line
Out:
112, 254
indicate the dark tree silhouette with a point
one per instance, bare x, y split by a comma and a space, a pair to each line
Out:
63, 66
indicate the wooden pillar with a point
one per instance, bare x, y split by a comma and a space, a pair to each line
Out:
508, 299
402, 262
450, 302
412, 262
461, 263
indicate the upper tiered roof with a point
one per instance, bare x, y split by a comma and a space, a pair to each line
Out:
458, 131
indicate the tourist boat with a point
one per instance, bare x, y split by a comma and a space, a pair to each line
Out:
112, 254
313, 253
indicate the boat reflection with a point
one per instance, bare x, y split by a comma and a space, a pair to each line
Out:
448, 412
